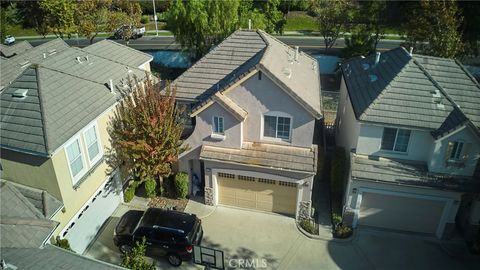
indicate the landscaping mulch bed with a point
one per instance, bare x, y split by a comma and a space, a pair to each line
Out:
168, 203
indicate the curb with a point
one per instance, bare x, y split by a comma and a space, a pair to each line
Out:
325, 238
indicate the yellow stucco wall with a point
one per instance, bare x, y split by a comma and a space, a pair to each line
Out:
74, 199
29, 170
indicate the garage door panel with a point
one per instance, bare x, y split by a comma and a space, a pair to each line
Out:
99, 209
257, 195
400, 213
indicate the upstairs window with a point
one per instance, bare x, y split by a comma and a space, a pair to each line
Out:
394, 139
455, 150
276, 127
75, 159
93, 144
218, 127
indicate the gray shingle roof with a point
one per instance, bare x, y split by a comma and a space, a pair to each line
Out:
399, 91
15, 49
405, 172
22, 224
63, 97
237, 54
265, 155
12, 67
51, 257
116, 52
243, 52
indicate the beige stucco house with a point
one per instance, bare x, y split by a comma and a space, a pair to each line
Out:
254, 103
410, 124
55, 105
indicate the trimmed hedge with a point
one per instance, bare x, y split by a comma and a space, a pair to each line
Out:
145, 19
150, 187
181, 184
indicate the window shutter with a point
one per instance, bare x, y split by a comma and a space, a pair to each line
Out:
466, 151
449, 150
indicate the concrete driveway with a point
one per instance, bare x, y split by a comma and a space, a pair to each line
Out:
259, 240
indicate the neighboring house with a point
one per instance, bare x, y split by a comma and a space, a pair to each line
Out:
411, 124
55, 106
26, 228
255, 102
15, 49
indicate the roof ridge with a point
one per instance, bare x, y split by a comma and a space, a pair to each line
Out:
42, 111
387, 87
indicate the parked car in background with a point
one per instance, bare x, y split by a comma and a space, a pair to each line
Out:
167, 233
9, 40
136, 31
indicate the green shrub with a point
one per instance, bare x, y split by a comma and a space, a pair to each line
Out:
308, 226
63, 243
150, 187
135, 259
342, 231
181, 184
336, 219
145, 19
130, 192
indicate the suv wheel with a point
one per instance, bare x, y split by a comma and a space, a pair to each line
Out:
126, 248
174, 259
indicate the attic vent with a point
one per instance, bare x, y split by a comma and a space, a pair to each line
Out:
365, 66
52, 51
25, 63
20, 93
373, 77
287, 71
437, 98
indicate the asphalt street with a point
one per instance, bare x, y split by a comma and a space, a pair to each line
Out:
168, 43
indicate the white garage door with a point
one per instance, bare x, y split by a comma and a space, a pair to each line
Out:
400, 213
85, 227
257, 193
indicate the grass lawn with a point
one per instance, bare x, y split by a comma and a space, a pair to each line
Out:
300, 21
151, 26
18, 30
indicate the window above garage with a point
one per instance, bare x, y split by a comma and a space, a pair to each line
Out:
277, 126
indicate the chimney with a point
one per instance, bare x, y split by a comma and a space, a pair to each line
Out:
296, 53
111, 87
249, 24
411, 51
377, 58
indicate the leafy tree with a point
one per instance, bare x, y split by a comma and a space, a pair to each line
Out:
92, 17
433, 28
8, 16
332, 18
288, 5
275, 20
124, 13
59, 16
368, 28
135, 259
247, 11
145, 132
470, 26
198, 25
34, 16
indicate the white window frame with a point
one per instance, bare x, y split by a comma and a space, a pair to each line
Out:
99, 144
457, 153
82, 172
275, 139
395, 141
213, 125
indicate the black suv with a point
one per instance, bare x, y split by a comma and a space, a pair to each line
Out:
167, 232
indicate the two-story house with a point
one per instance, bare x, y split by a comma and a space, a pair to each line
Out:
55, 104
255, 102
410, 124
